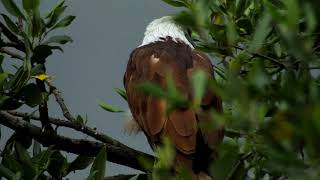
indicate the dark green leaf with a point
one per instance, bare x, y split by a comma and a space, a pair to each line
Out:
5, 172
55, 14
23, 156
122, 93
58, 165
12, 8
42, 160
31, 94
99, 164
41, 52
80, 163
58, 39
11, 25
108, 107
64, 22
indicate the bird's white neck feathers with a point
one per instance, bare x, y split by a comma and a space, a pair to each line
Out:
163, 27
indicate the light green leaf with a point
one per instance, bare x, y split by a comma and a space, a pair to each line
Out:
108, 107
64, 22
261, 33
55, 14
99, 164
59, 39
12, 8
30, 5
150, 88
199, 83
17, 176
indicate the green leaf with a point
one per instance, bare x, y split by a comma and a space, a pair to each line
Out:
5, 172
12, 8
59, 39
42, 159
293, 13
134, 177
80, 163
122, 93
108, 107
36, 23
27, 61
199, 83
37, 70
64, 22
99, 164
150, 88
228, 157
41, 52
24, 158
17, 176
11, 163
30, 5
261, 33
31, 94
11, 25
58, 165
55, 14
175, 3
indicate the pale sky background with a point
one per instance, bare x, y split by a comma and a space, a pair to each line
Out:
104, 34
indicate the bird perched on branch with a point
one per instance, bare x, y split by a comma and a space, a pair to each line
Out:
166, 48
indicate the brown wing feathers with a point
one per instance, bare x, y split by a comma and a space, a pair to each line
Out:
151, 63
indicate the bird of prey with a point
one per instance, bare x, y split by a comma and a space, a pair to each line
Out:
166, 47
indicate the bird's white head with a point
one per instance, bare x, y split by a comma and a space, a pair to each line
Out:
163, 27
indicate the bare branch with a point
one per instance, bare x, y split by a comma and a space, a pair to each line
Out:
128, 156
60, 101
10, 53
76, 126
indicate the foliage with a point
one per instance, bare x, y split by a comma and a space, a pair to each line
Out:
267, 59
266, 54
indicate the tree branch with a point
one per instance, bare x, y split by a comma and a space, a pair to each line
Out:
76, 126
128, 156
60, 101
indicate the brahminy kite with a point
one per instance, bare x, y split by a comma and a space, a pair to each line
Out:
166, 48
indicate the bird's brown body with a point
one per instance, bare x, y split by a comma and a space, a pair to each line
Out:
195, 147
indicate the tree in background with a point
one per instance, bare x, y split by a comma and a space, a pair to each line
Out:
267, 54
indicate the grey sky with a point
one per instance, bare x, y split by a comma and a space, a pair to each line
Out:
104, 34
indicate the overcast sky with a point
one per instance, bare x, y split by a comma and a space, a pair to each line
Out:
104, 34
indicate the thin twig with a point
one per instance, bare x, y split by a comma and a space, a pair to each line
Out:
60, 101
10, 53
264, 57
125, 156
